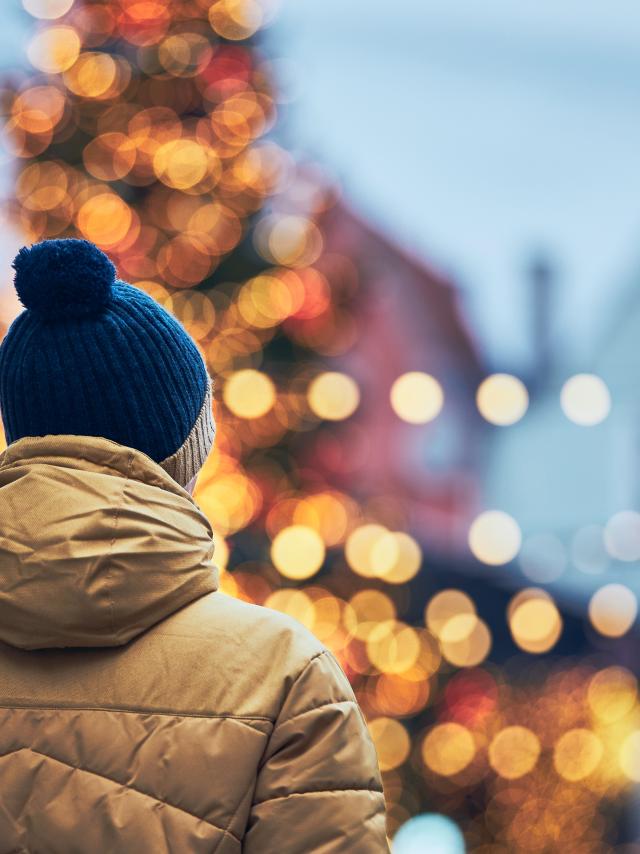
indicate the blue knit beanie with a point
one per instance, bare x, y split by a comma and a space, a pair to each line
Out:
95, 356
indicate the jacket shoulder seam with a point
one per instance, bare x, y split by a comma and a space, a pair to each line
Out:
321, 792
139, 711
322, 705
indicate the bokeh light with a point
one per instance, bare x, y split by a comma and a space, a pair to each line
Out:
448, 748
333, 396
47, 8
391, 740
585, 399
494, 537
613, 610
249, 393
430, 832
577, 754
54, 49
514, 752
502, 399
417, 397
612, 693
298, 552
534, 620
622, 535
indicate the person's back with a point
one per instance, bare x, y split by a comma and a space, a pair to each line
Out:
141, 708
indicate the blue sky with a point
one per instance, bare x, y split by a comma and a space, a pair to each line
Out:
475, 133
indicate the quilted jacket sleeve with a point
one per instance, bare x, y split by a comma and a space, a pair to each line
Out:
319, 787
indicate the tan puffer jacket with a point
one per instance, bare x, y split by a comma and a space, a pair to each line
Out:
143, 710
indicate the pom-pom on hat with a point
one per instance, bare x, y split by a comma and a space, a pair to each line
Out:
92, 355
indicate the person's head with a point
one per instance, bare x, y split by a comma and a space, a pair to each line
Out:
92, 355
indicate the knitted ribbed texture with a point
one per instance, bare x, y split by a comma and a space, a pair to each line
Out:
187, 461
129, 372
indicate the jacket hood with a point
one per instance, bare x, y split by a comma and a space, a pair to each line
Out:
97, 543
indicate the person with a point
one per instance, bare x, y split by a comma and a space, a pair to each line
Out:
142, 709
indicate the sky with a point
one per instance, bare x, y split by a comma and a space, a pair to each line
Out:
474, 135
477, 134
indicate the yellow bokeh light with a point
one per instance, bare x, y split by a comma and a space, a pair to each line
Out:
502, 399
333, 396
536, 624
366, 610
393, 646
295, 603
495, 538
92, 76
293, 241
514, 752
392, 742
445, 605
585, 399
47, 8
448, 748
465, 640
629, 756
183, 163
397, 557
417, 397
360, 548
54, 50
612, 693
249, 393
577, 754
105, 219
613, 610
298, 552
235, 19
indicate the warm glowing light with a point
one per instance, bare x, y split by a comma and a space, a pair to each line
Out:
183, 163
54, 50
294, 602
612, 693
622, 535
47, 8
333, 396
235, 19
514, 752
397, 557
577, 754
392, 742
585, 399
502, 399
290, 240
629, 756
448, 748
366, 610
249, 393
495, 538
105, 219
535, 622
360, 549
465, 640
613, 610
393, 646
92, 76
444, 606
417, 397
298, 552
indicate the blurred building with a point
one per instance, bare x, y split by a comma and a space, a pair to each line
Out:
409, 318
